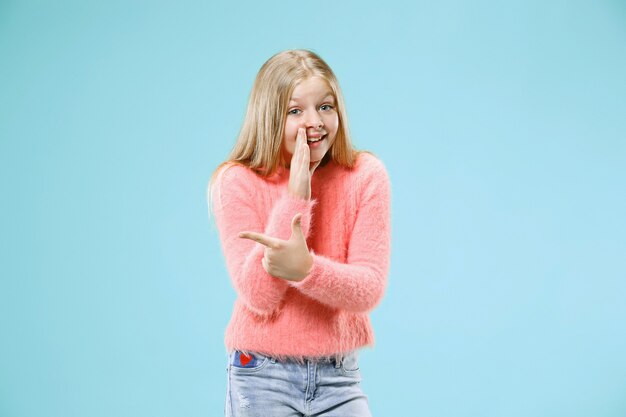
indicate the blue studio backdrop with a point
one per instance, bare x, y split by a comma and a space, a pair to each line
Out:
502, 126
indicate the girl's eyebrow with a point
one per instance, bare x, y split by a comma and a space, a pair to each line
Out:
329, 95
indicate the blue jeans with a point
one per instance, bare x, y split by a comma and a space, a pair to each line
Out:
262, 386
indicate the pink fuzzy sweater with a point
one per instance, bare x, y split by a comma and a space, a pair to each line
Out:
347, 227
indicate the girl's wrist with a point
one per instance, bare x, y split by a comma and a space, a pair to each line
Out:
298, 195
307, 269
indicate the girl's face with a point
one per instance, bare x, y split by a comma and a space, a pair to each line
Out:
312, 106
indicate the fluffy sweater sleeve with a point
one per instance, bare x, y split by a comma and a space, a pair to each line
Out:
358, 284
238, 207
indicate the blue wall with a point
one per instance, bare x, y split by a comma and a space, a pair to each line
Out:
503, 127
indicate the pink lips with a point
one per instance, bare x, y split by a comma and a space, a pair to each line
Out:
315, 135
316, 139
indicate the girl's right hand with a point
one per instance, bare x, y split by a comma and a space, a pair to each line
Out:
301, 169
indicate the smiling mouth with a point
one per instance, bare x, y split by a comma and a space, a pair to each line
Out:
317, 139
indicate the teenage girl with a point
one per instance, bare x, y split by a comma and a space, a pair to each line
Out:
304, 222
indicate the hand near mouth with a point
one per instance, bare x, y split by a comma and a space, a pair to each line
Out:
301, 169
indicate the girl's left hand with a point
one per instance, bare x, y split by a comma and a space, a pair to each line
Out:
286, 259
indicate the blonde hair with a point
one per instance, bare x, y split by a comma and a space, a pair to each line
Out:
259, 144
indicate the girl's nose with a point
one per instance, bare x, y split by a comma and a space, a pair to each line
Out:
315, 122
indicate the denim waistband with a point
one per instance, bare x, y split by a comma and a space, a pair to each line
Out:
335, 359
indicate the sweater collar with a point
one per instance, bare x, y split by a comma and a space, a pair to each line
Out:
282, 173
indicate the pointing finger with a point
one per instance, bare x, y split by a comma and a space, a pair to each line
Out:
268, 241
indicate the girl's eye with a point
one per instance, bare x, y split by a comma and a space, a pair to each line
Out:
294, 111
326, 107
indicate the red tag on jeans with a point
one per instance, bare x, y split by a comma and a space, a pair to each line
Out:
245, 359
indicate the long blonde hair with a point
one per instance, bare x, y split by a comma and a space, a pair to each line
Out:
259, 144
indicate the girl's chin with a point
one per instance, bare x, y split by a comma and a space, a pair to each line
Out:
315, 156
